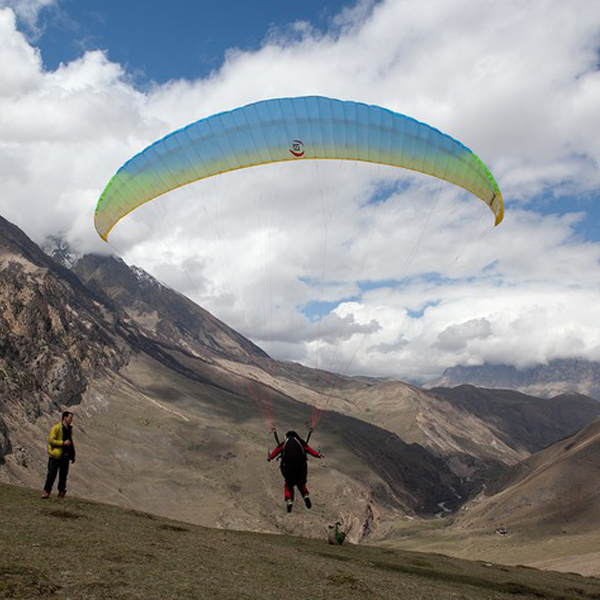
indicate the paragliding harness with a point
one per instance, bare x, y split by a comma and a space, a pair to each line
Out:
274, 432
293, 457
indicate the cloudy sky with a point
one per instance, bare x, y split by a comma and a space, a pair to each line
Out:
354, 268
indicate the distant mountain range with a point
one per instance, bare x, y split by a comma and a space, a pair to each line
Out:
559, 376
173, 408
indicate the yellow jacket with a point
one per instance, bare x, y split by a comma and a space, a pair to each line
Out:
55, 441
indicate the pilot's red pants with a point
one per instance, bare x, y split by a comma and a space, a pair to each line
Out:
288, 490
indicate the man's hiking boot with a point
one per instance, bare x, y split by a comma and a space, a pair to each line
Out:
307, 501
288, 505
45, 495
62, 494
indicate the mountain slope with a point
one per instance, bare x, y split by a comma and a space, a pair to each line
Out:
548, 505
522, 421
161, 312
547, 509
555, 491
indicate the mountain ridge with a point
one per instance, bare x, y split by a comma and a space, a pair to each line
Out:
558, 376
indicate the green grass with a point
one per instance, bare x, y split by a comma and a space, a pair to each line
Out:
78, 549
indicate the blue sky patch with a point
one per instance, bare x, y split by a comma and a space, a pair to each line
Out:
160, 41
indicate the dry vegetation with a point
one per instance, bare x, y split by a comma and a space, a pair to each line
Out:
79, 549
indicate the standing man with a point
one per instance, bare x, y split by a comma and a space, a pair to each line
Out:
61, 452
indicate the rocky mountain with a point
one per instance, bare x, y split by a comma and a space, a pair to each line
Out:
162, 313
171, 406
60, 251
559, 376
548, 509
54, 334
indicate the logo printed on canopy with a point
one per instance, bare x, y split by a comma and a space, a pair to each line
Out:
297, 148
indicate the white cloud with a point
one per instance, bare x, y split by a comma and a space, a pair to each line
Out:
21, 63
517, 82
28, 10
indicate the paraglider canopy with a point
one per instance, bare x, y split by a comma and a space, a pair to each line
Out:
292, 129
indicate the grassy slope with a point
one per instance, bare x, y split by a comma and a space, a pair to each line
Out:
535, 547
79, 549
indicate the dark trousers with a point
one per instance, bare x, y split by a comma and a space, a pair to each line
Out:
60, 467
